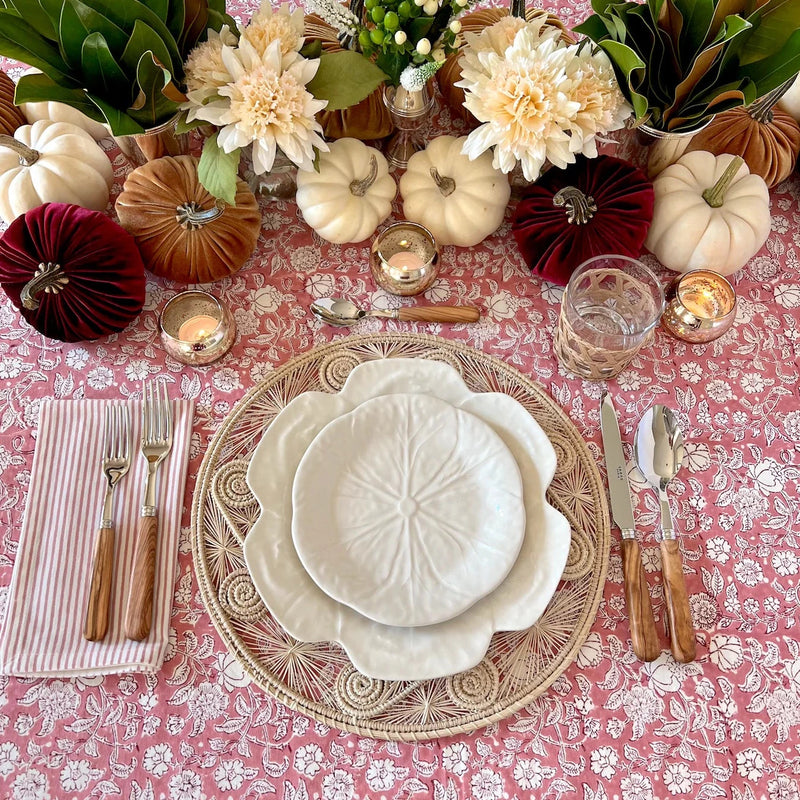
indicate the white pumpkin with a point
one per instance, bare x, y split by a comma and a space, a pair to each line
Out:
52, 162
61, 112
790, 102
459, 201
350, 195
709, 213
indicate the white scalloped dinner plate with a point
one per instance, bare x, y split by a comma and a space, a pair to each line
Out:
408, 510
384, 651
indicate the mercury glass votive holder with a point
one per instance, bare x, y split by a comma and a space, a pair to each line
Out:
700, 306
404, 259
196, 328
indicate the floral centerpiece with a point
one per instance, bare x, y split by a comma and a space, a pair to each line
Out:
538, 98
120, 62
679, 62
408, 39
258, 86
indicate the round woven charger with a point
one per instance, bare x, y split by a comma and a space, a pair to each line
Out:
318, 678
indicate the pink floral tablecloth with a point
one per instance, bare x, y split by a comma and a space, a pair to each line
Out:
727, 725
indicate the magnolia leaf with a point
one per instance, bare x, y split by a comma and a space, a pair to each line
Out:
92, 20
344, 79
19, 41
769, 73
195, 25
102, 74
175, 20
629, 64
774, 23
217, 18
182, 124
37, 16
144, 39
71, 33
126, 14
723, 10
39, 88
217, 170
160, 8
121, 124
152, 107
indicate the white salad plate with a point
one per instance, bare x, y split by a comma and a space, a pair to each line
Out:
384, 651
408, 510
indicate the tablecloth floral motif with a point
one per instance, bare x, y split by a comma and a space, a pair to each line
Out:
727, 725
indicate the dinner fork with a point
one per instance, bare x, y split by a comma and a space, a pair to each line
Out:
156, 444
114, 463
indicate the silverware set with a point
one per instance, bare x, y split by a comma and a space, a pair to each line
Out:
156, 443
658, 451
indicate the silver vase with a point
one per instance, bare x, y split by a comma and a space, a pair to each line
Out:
410, 111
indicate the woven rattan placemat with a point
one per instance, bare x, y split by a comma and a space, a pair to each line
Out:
318, 678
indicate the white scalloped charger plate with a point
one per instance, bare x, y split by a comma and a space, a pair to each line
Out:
408, 510
383, 651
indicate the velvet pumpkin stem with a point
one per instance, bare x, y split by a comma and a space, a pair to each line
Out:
580, 207
761, 109
27, 155
518, 8
192, 215
715, 195
358, 188
48, 278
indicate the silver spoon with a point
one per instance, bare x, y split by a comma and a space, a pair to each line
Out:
339, 312
659, 452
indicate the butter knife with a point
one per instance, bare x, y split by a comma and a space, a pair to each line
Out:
637, 597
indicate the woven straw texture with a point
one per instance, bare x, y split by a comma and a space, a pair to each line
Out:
318, 679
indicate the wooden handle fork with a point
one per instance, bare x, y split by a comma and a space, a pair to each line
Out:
439, 314
95, 626
637, 597
139, 611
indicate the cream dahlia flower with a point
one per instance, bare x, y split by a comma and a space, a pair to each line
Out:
204, 69
267, 26
523, 100
266, 105
497, 38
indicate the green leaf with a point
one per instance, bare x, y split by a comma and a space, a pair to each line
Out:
418, 27
311, 49
345, 78
103, 75
175, 18
774, 23
392, 63
216, 19
160, 8
19, 41
71, 33
142, 40
120, 123
33, 13
631, 67
39, 88
125, 15
217, 170
182, 126
92, 20
769, 73
195, 25
152, 106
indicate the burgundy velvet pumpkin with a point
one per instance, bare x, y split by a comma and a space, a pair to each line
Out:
73, 273
593, 207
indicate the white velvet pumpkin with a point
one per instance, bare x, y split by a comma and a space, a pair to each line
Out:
350, 195
461, 202
66, 166
790, 102
688, 232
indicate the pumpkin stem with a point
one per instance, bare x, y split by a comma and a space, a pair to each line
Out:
580, 207
358, 188
48, 277
518, 8
27, 155
445, 185
192, 216
715, 195
761, 109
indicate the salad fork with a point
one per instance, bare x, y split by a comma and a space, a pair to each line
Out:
115, 463
156, 444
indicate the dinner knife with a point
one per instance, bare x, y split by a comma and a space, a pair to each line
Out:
637, 596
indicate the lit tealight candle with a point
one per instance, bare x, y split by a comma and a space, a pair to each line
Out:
405, 260
195, 329
701, 306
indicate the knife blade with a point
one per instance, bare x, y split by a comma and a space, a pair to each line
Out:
637, 596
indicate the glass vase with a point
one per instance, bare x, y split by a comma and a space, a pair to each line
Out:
410, 111
280, 183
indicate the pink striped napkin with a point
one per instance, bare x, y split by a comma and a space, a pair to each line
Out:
42, 631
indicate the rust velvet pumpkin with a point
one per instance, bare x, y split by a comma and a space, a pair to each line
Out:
11, 116
595, 206
182, 232
369, 119
73, 273
475, 22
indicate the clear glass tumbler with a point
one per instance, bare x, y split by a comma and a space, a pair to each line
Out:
610, 307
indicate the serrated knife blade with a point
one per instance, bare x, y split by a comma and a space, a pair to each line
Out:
637, 596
